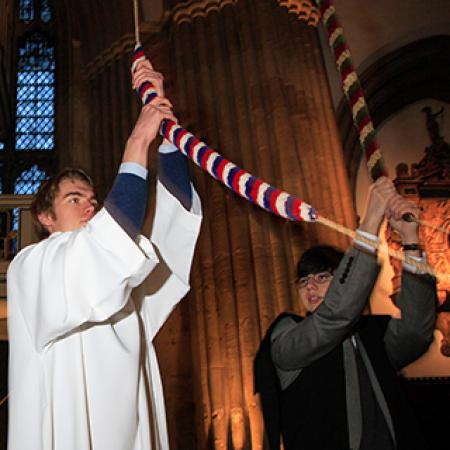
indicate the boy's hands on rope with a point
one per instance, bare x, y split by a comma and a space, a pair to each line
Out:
384, 201
149, 121
396, 208
377, 200
145, 72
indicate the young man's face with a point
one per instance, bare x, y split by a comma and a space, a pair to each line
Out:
312, 289
74, 205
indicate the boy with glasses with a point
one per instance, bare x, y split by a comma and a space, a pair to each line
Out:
329, 380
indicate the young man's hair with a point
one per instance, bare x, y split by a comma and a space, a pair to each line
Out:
321, 258
45, 196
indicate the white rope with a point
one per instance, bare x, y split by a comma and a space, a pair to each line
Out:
3, 400
136, 22
422, 267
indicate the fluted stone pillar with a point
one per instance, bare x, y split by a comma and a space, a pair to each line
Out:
247, 77
251, 83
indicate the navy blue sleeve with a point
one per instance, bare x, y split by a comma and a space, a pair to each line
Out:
174, 175
127, 202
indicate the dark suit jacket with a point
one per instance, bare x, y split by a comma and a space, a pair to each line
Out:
298, 345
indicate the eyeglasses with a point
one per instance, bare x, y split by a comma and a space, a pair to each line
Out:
317, 278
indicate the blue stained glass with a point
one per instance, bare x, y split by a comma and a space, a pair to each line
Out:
15, 219
31, 126
20, 142
35, 77
46, 11
45, 109
24, 125
35, 110
47, 78
24, 108
24, 93
2, 146
46, 92
26, 11
30, 61
45, 125
29, 180
36, 93
45, 142
40, 141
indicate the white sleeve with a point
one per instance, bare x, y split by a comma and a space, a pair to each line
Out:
76, 277
174, 234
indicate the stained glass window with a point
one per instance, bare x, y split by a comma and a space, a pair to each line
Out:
46, 11
26, 10
29, 180
35, 113
31, 156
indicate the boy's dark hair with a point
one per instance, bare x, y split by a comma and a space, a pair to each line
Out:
45, 196
320, 258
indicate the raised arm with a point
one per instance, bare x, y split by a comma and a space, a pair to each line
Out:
410, 336
127, 200
296, 345
176, 226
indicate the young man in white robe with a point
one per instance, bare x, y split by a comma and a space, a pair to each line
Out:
83, 373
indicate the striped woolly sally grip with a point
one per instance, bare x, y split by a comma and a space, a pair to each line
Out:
146, 90
353, 90
233, 177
